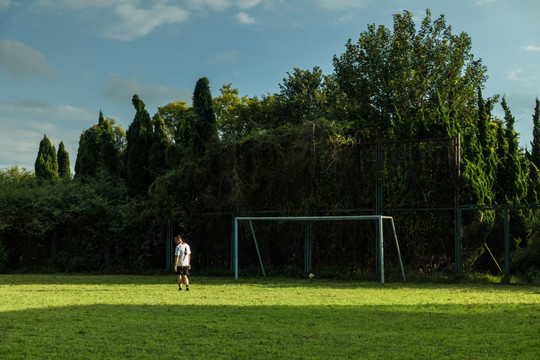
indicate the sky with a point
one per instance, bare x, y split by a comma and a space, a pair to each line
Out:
64, 61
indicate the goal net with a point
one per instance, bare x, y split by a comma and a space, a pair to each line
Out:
378, 219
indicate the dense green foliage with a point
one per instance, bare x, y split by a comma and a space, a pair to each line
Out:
378, 135
535, 151
203, 134
100, 151
64, 169
139, 142
46, 162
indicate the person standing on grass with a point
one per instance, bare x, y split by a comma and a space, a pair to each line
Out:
182, 262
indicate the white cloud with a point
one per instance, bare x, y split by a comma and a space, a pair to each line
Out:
216, 5
247, 4
220, 5
513, 74
123, 90
5, 4
23, 62
124, 19
132, 22
24, 122
484, 2
127, 20
224, 57
347, 18
343, 4
244, 18
532, 48
84, 4
518, 75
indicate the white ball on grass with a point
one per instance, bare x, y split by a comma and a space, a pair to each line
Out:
311, 275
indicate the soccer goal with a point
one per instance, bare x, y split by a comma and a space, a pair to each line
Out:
307, 251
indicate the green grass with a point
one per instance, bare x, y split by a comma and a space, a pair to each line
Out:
145, 317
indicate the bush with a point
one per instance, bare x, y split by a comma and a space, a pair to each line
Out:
533, 275
526, 260
3, 258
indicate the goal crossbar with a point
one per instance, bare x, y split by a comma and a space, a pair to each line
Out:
380, 236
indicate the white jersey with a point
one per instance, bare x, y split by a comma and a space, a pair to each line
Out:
183, 250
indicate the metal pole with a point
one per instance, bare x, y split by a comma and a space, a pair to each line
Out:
307, 248
506, 245
398, 251
231, 266
235, 249
378, 201
257, 247
457, 209
381, 255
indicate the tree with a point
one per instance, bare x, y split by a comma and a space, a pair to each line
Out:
46, 165
534, 159
510, 177
174, 119
229, 108
64, 170
389, 77
535, 144
139, 142
100, 150
160, 143
303, 95
204, 130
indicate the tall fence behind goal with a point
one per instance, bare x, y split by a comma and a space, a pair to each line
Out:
414, 182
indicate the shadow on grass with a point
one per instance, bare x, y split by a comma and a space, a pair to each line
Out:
271, 332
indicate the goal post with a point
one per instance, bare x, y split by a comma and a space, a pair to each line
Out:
377, 218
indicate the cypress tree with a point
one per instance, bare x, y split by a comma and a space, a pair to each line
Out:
139, 142
533, 184
99, 150
533, 195
46, 165
159, 147
204, 131
111, 138
486, 141
535, 144
503, 183
64, 172
87, 162
484, 130
513, 182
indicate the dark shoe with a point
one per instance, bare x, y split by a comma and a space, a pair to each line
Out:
187, 288
179, 289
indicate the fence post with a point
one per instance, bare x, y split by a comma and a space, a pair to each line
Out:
235, 252
506, 246
457, 209
458, 245
307, 248
378, 203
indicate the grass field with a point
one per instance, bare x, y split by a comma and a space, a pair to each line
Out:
145, 317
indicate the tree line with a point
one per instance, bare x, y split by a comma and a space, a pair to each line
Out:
309, 149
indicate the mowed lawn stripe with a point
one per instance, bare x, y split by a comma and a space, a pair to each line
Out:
145, 317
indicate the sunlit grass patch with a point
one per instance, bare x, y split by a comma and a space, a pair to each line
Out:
145, 317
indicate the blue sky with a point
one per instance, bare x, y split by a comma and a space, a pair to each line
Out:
62, 61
